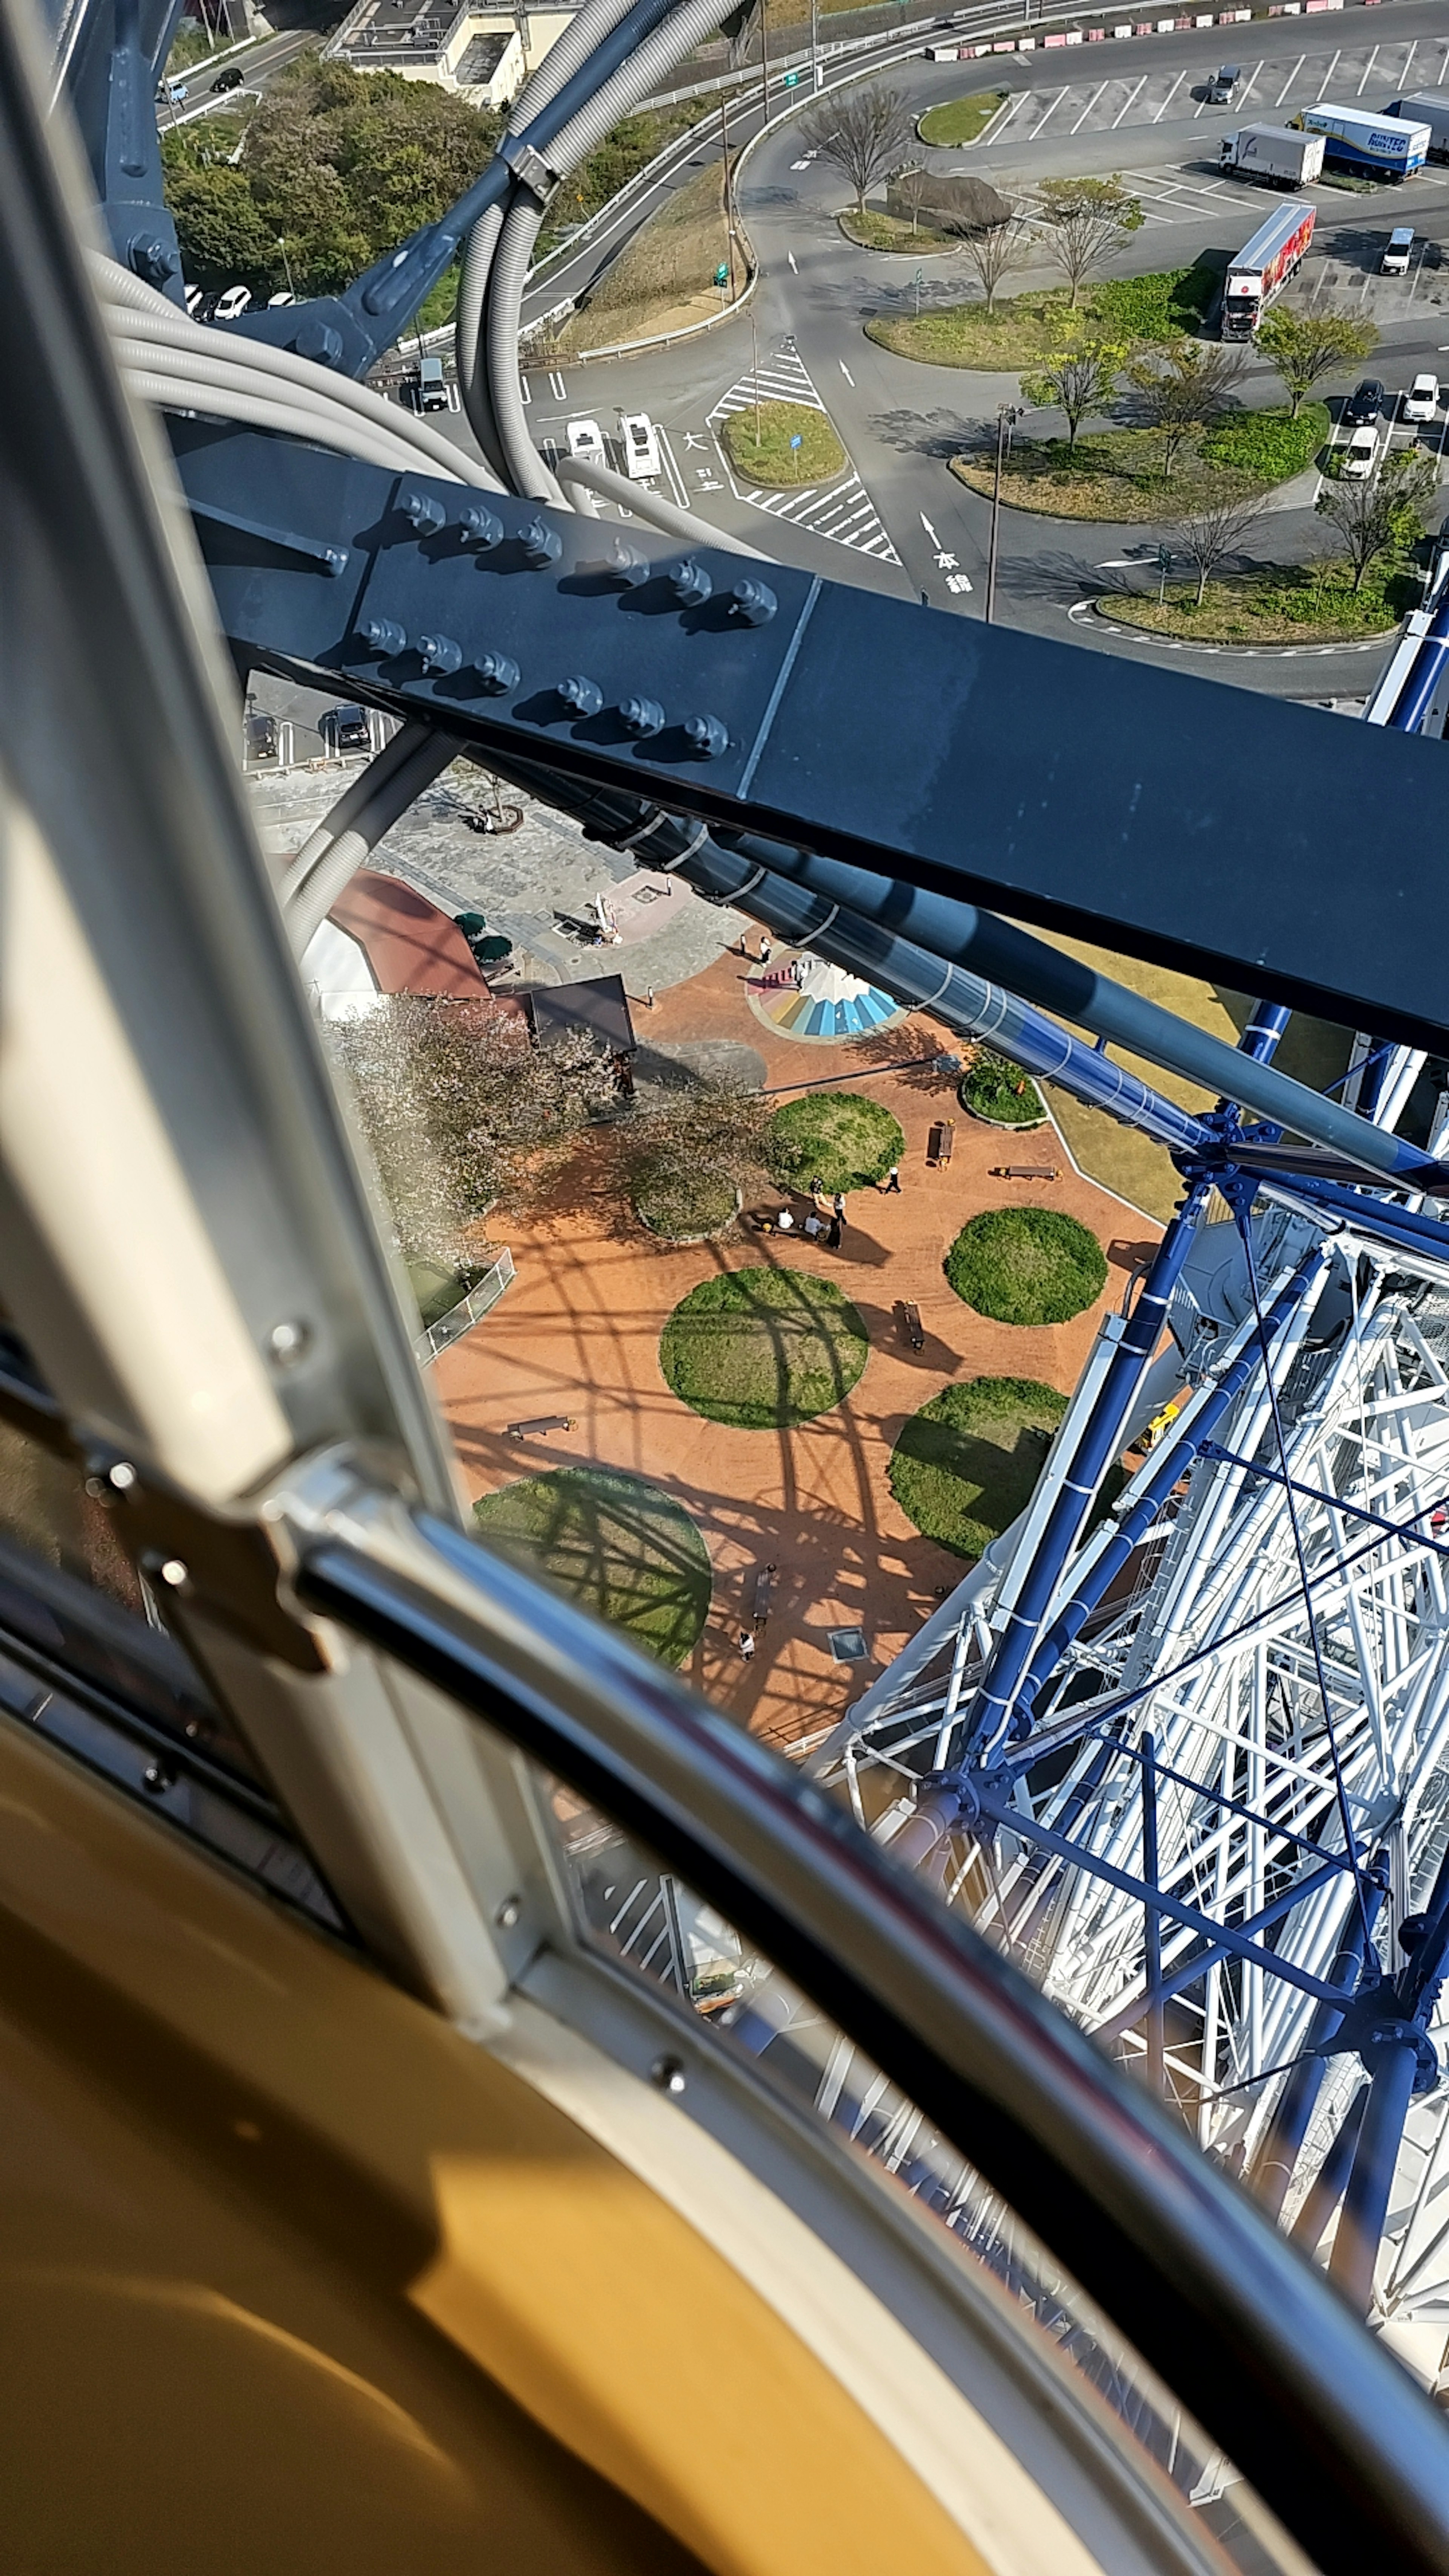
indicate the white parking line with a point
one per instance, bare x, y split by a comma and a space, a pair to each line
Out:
1171, 95
1091, 103
1402, 81
1014, 109
1293, 75
1325, 86
1246, 91
1368, 67
1051, 111
1142, 84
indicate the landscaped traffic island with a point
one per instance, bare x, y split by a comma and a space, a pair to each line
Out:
763, 1350
760, 444
1308, 603
612, 1542
960, 120
965, 1465
1027, 1265
833, 1140
1117, 474
1025, 330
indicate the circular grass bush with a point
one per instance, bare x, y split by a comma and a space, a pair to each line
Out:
965, 1465
765, 455
838, 1138
613, 1543
763, 1349
1026, 1265
685, 1206
993, 1087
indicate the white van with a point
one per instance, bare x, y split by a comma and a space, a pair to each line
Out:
639, 445
1395, 261
231, 305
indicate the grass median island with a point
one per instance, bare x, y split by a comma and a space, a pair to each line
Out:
838, 1138
1026, 1265
960, 120
877, 229
763, 1350
1026, 330
1277, 604
763, 453
966, 1464
1117, 473
612, 1542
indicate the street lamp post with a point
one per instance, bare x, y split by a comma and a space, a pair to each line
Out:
1006, 420
287, 266
816, 74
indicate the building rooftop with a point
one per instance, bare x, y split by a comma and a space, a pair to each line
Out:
400, 30
480, 59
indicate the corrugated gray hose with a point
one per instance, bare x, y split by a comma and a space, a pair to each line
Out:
387, 787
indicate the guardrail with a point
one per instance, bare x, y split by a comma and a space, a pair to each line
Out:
469, 1310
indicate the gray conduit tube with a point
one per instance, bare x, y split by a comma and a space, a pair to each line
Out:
354, 800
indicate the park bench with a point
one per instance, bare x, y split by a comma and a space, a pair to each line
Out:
1025, 1172
942, 1139
542, 1422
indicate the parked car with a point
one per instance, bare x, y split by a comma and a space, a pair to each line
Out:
231, 78
1365, 403
1360, 455
261, 737
1395, 261
1223, 84
232, 303
586, 442
346, 729
1421, 402
284, 298
432, 385
639, 440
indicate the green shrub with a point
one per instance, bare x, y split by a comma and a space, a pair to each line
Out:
763, 1349
838, 1138
1156, 307
1267, 446
678, 1204
612, 1542
996, 1088
965, 1465
1026, 1265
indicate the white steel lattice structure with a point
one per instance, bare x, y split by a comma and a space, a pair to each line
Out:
1207, 1657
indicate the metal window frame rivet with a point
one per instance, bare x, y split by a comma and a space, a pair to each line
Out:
668, 2073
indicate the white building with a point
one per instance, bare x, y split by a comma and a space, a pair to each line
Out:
482, 54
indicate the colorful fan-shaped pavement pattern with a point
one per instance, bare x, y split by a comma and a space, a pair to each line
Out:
825, 1004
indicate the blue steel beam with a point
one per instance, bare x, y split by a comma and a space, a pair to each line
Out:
1064, 785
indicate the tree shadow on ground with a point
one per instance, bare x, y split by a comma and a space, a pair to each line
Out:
941, 433
1065, 573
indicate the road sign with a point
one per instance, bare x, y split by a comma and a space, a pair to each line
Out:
797, 440
722, 273
789, 80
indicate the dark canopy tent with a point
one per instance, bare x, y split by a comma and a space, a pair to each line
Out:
600, 1005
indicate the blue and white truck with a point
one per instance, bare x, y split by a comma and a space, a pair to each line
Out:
1373, 147
1430, 107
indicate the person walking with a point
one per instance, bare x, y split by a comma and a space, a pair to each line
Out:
767, 948
747, 1647
840, 1207
893, 1182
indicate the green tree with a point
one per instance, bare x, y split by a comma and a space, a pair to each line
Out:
1079, 382
1382, 513
1086, 220
223, 236
1307, 346
1181, 388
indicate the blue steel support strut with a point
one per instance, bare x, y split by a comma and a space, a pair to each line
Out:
1288, 2127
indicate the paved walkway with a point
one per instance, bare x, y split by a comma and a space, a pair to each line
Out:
578, 1333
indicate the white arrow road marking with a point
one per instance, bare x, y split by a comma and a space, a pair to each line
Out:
791, 257
845, 371
930, 531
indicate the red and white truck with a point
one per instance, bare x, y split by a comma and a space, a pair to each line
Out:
1263, 267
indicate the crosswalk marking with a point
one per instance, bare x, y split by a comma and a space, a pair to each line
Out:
843, 513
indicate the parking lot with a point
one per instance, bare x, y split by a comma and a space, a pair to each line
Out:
1273, 87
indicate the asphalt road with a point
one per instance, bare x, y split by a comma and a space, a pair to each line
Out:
903, 522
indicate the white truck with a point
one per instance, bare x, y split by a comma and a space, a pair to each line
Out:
1274, 155
1430, 107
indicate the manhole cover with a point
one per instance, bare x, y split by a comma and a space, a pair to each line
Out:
847, 1645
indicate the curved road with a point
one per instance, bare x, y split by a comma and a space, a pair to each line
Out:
904, 522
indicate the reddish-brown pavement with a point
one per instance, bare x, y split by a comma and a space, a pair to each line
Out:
578, 1333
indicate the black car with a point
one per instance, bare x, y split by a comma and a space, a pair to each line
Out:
1223, 84
1365, 404
261, 737
231, 78
347, 729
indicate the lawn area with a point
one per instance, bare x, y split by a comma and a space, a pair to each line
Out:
613, 1543
838, 1138
1026, 1265
1025, 329
960, 120
663, 278
966, 1464
763, 1349
684, 1207
1277, 604
997, 1089
758, 443
1116, 474
877, 229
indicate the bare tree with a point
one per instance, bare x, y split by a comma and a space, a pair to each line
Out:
1207, 536
1307, 346
912, 185
454, 1099
1079, 382
708, 1128
1382, 512
1086, 220
1182, 387
862, 132
993, 250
